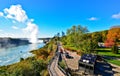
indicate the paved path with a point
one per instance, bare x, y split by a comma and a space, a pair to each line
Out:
72, 63
116, 70
53, 68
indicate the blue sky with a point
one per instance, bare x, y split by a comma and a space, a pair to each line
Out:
53, 16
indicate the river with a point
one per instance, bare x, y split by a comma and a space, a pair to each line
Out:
13, 55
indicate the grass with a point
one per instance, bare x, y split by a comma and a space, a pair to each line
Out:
107, 52
116, 62
72, 48
62, 64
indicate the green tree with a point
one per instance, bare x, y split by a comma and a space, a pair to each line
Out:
114, 49
104, 35
78, 37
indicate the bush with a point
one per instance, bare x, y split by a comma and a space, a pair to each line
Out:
21, 59
114, 49
62, 64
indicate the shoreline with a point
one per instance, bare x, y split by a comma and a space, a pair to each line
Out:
22, 54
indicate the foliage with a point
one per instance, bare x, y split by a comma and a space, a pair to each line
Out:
109, 43
114, 49
21, 59
100, 36
88, 46
44, 73
113, 36
62, 64
114, 33
77, 37
29, 67
74, 36
104, 35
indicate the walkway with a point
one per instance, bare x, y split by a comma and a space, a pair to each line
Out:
53, 67
116, 70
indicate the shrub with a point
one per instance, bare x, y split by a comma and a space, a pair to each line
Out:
114, 49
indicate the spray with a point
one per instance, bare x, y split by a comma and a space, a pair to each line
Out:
33, 30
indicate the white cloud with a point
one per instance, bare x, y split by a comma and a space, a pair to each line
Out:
92, 18
1, 14
15, 27
116, 16
16, 12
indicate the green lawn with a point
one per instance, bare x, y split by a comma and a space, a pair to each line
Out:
70, 47
116, 62
107, 52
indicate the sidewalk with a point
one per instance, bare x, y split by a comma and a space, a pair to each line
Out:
116, 69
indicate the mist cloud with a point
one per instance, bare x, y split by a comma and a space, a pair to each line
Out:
33, 29
16, 13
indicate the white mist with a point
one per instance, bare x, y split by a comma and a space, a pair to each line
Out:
33, 31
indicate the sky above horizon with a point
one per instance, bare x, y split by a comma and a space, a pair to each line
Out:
25, 18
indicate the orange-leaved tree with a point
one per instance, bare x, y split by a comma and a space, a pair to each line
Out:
113, 36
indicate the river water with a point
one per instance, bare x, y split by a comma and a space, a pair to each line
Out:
13, 55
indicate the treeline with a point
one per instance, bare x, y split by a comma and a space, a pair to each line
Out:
79, 39
32, 66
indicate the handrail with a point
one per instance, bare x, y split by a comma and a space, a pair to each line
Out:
49, 64
51, 74
54, 57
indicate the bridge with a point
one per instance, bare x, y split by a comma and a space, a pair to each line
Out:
45, 40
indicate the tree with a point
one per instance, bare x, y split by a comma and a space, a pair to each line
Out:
109, 43
114, 33
114, 49
63, 34
58, 34
21, 59
87, 44
104, 35
73, 35
113, 36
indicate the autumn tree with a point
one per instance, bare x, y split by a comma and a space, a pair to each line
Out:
113, 36
114, 33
